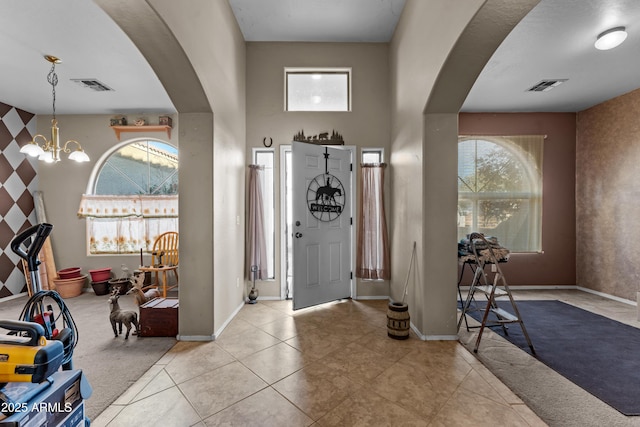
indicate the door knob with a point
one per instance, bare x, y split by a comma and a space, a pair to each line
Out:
298, 235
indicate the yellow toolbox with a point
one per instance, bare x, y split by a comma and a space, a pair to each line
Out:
25, 354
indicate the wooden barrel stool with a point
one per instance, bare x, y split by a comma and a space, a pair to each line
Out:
398, 321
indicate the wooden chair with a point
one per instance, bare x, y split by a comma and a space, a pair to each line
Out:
164, 258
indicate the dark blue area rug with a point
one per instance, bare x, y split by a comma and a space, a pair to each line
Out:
596, 353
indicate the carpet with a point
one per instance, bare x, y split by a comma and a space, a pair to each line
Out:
600, 355
110, 364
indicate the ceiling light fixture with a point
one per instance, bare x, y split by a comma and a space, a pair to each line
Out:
611, 38
49, 152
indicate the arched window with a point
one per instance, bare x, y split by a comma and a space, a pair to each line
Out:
140, 167
132, 197
500, 190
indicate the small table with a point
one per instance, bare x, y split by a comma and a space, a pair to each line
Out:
164, 269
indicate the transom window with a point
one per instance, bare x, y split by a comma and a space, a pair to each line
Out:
319, 89
500, 190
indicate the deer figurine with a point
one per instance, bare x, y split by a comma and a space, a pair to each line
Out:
140, 295
119, 316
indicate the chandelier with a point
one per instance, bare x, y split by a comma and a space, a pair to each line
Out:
50, 150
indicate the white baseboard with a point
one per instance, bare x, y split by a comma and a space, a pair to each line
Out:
556, 287
608, 296
216, 334
576, 287
16, 296
441, 338
540, 287
532, 287
195, 337
269, 298
432, 337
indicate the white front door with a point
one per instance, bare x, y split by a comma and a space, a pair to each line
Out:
321, 224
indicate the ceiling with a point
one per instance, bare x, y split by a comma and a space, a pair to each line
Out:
555, 41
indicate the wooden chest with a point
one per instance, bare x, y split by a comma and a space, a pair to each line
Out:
159, 318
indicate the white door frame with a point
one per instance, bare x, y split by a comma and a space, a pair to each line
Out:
283, 218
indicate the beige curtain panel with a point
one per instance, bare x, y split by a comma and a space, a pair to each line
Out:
256, 242
372, 258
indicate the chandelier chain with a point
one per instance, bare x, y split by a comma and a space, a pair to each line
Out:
50, 150
52, 78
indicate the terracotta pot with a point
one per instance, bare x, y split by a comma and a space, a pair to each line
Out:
69, 288
69, 273
101, 274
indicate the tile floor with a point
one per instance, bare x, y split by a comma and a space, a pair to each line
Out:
331, 365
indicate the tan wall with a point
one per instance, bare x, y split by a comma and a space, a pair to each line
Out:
607, 197
438, 50
367, 125
425, 35
198, 53
556, 264
208, 35
211, 39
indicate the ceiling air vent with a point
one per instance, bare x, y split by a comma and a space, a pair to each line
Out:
546, 85
92, 84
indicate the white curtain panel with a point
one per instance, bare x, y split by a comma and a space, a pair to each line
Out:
126, 224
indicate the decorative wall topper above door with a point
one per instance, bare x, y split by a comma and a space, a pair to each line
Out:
322, 138
326, 195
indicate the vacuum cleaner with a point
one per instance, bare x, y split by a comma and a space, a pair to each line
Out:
33, 349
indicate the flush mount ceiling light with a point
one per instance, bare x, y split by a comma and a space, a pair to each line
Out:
49, 152
611, 38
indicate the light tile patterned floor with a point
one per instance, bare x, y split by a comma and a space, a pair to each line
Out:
331, 365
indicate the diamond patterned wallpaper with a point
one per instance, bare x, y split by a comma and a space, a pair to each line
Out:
18, 181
